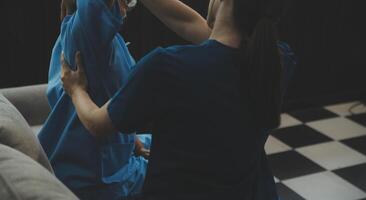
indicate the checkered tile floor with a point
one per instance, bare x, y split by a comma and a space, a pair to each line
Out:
320, 154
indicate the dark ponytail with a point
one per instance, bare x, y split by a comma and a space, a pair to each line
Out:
261, 69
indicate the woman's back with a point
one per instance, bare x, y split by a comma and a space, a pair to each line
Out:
204, 144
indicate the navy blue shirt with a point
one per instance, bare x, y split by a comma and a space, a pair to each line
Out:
205, 145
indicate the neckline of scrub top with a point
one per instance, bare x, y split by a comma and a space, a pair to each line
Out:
219, 44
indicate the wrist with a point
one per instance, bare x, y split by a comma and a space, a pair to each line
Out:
76, 91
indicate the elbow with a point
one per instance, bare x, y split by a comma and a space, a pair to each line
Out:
95, 129
99, 124
102, 130
95, 124
195, 32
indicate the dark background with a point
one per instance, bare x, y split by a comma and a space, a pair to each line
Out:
328, 36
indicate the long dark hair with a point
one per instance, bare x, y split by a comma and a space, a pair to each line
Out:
261, 68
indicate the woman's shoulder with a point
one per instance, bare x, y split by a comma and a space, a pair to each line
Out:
152, 61
186, 49
182, 49
155, 55
175, 55
162, 54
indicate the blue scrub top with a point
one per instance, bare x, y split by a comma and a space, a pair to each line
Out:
104, 165
205, 145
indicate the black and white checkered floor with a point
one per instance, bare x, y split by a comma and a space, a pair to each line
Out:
320, 154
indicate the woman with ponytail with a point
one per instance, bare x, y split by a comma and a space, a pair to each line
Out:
209, 106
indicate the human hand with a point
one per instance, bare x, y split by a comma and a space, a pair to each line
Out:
73, 80
142, 152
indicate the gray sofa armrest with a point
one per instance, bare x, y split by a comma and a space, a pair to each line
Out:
21, 178
31, 101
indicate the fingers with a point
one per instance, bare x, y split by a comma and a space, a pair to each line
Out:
146, 154
65, 67
79, 62
143, 152
62, 58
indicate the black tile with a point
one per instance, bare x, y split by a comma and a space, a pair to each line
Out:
361, 118
286, 193
358, 144
312, 114
356, 175
291, 164
299, 136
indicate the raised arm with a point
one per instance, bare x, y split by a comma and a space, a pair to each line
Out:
180, 18
91, 29
100, 19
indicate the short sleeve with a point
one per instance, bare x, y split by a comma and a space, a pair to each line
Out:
90, 30
99, 21
137, 104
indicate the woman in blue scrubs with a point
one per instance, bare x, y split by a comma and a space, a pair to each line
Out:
209, 106
93, 168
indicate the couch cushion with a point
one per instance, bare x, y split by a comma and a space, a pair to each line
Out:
16, 133
21, 178
30, 101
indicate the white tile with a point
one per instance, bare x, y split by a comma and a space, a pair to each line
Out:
344, 108
274, 145
332, 155
287, 121
338, 128
324, 186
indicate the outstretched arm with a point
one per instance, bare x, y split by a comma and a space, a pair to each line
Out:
180, 18
68, 7
91, 29
133, 108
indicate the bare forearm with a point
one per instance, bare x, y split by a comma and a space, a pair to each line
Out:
180, 18
85, 107
95, 119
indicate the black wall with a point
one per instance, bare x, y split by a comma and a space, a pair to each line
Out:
326, 35
28, 31
329, 38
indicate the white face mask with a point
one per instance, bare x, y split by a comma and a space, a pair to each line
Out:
131, 4
126, 6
